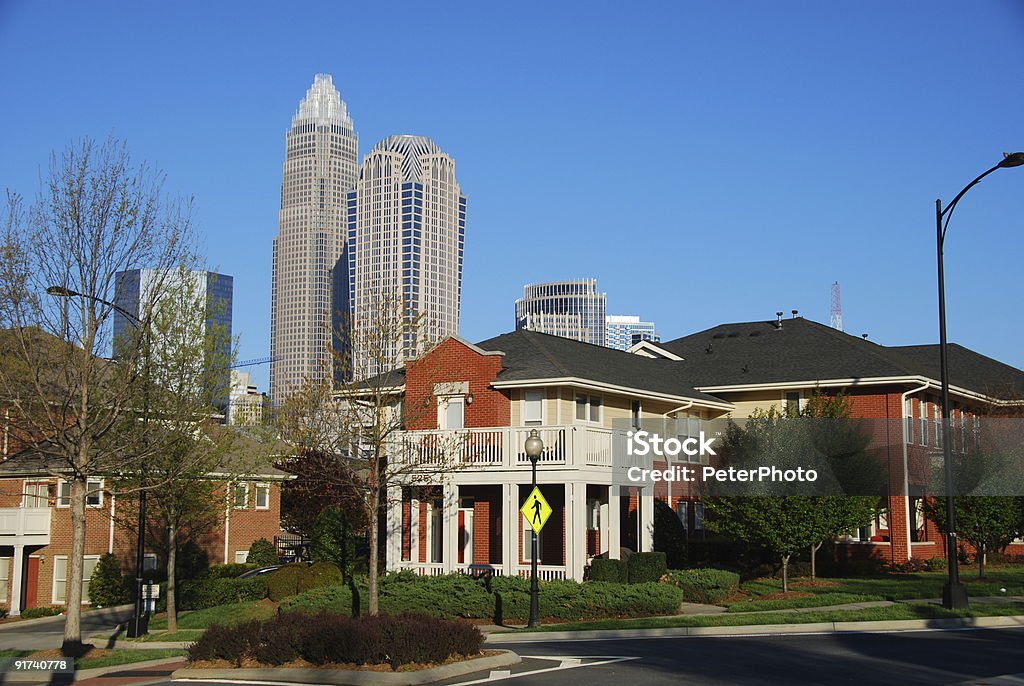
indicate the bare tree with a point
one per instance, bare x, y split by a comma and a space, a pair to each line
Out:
354, 432
97, 214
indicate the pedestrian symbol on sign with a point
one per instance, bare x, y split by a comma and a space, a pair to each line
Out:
536, 510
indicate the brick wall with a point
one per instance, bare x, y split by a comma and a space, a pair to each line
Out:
454, 361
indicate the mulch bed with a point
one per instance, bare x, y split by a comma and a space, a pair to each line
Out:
302, 664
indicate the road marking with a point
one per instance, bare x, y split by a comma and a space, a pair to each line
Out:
564, 662
499, 674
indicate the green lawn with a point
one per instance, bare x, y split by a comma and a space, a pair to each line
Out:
892, 612
123, 657
227, 615
819, 600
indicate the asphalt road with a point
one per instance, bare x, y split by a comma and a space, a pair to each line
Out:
49, 633
918, 657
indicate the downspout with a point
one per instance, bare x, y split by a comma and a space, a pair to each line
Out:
906, 469
227, 520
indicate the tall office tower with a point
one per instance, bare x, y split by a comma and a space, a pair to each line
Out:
213, 295
623, 331
406, 231
571, 309
320, 169
247, 403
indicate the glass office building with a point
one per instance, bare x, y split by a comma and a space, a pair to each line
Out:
571, 309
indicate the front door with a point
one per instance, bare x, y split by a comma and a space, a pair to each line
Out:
32, 583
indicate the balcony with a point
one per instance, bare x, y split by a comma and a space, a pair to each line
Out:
571, 447
24, 525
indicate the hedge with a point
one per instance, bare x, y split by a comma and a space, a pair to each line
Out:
318, 575
285, 581
703, 585
327, 638
602, 569
34, 612
262, 552
457, 595
203, 593
646, 567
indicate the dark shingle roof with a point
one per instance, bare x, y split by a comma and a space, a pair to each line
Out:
803, 350
533, 355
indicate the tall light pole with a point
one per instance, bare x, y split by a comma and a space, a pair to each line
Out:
139, 625
954, 594
534, 447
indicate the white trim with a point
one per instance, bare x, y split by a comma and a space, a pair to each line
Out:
234, 495
91, 480
257, 487
652, 350
588, 385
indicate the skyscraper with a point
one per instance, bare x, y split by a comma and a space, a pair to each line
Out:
624, 331
320, 167
571, 309
213, 294
406, 231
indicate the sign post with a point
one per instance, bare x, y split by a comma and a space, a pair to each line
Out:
536, 510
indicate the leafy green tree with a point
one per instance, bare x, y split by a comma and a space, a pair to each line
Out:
332, 540
987, 522
262, 552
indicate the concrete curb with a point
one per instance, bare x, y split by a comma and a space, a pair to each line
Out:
45, 677
763, 629
341, 677
103, 613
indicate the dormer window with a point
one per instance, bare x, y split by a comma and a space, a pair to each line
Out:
533, 408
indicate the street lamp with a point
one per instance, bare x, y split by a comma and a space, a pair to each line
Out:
140, 621
534, 447
954, 594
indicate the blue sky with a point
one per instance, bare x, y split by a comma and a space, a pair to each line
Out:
706, 161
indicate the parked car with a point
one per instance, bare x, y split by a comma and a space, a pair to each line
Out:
259, 571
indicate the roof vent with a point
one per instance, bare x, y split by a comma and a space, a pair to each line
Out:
778, 320
755, 333
733, 335
795, 313
719, 335
864, 336
745, 368
708, 349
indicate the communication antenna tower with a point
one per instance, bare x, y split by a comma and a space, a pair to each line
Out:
836, 320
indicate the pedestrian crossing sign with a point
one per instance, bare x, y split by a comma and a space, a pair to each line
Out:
536, 510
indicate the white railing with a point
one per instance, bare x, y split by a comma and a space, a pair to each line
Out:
503, 447
24, 521
544, 572
481, 569
424, 568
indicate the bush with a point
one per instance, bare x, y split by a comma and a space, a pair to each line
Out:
202, 593
330, 638
191, 562
230, 571
333, 599
646, 567
936, 564
707, 586
3, 612
332, 540
911, 566
107, 587
262, 553
285, 581
318, 575
34, 612
669, 534
602, 569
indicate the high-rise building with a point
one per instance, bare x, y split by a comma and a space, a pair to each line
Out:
623, 331
320, 167
213, 295
247, 403
571, 309
406, 231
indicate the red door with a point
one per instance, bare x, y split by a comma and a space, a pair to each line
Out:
32, 582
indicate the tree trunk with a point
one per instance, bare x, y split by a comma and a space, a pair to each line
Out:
172, 560
814, 558
785, 573
981, 552
72, 645
372, 604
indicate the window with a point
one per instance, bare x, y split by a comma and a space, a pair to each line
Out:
451, 412
262, 496
528, 544
923, 418
533, 408
908, 414
93, 493
5, 575
792, 404
593, 514
241, 556
635, 413
937, 410
588, 408
698, 516
681, 513
241, 500
60, 577
149, 562
36, 495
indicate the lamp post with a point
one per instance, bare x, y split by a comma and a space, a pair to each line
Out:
139, 625
534, 447
954, 594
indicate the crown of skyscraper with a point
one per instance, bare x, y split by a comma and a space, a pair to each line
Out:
411, 148
323, 104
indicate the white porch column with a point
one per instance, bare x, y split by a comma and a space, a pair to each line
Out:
450, 518
645, 539
510, 528
393, 524
414, 531
614, 525
575, 530
17, 564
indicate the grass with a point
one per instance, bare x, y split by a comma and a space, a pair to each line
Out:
15, 653
124, 657
820, 600
892, 612
227, 615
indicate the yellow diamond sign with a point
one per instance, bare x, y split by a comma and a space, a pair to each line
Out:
536, 510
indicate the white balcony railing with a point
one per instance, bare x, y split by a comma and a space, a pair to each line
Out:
24, 521
503, 447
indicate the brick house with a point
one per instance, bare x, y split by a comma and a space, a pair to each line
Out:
584, 398
35, 527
